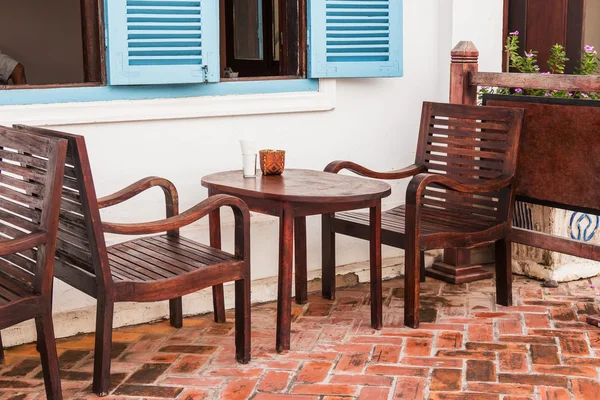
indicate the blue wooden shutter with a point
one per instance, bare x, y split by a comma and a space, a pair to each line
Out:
355, 38
162, 41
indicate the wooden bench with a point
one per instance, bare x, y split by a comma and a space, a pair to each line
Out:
148, 269
30, 186
460, 195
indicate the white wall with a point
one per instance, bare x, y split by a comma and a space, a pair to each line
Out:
477, 21
44, 36
375, 123
592, 27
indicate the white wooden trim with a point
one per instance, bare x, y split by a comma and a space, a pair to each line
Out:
165, 109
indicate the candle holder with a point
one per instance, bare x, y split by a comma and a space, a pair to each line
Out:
272, 162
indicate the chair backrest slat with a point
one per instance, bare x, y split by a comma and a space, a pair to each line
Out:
30, 181
80, 243
471, 145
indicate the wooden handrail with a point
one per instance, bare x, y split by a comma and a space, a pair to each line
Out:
577, 83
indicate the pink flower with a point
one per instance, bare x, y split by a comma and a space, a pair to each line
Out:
528, 54
515, 33
545, 73
589, 49
537, 68
518, 90
548, 94
569, 94
592, 287
598, 294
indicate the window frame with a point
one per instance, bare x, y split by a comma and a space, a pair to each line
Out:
293, 26
265, 67
293, 17
94, 46
94, 50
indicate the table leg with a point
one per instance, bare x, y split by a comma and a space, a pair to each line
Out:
375, 259
328, 258
214, 222
300, 261
284, 289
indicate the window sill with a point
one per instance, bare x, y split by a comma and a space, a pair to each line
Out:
263, 78
76, 113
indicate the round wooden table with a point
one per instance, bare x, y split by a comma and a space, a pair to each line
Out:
291, 197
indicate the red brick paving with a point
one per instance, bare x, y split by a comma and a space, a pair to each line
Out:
467, 348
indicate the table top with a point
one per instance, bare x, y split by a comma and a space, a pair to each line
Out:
299, 185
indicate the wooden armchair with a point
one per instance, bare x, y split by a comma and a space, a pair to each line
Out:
30, 185
461, 195
147, 269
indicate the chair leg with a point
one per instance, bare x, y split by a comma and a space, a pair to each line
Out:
422, 263
214, 223
375, 266
37, 345
242, 321
328, 258
504, 272
48, 355
300, 260
103, 347
2, 359
412, 287
176, 312
219, 303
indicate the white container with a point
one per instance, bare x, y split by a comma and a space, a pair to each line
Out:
248, 147
248, 158
249, 161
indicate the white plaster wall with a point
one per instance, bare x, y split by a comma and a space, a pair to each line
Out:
374, 123
592, 27
478, 21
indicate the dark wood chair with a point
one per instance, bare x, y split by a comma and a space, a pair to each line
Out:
147, 269
30, 185
461, 195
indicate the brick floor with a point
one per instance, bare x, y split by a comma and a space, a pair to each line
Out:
467, 348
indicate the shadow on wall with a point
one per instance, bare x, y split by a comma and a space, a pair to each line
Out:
44, 36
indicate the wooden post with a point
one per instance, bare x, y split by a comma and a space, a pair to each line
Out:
464, 58
456, 267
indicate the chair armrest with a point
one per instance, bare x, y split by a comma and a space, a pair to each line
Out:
25, 242
337, 166
171, 196
195, 213
420, 181
417, 185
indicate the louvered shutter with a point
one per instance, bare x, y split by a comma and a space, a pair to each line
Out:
355, 38
162, 41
